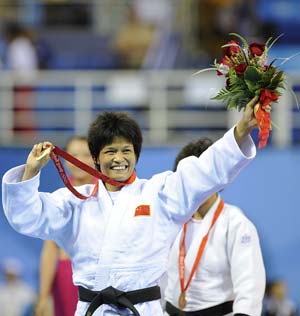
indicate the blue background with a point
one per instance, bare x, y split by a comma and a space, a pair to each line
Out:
267, 191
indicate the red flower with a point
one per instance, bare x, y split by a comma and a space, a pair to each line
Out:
224, 61
266, 97
223, 67
240, 68
231, 50
257, 49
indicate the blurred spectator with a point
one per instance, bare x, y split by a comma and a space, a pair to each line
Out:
217, 18
15, 295
55, 265
21, 59
276, 302
20, 54
43, 52
133, 41
158, 13
213, 20
164, 48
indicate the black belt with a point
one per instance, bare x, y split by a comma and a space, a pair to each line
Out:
121, 299
218, 310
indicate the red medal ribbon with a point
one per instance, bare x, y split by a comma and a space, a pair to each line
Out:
56, 152
182, 252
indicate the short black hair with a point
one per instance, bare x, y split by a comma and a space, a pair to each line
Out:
12, 30
109, 125
194, 148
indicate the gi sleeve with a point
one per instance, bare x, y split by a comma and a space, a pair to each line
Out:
33, 213
197, 178
247, 267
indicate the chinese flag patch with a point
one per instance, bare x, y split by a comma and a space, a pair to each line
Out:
142, 210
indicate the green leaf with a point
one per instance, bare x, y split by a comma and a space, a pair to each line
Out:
252, 78
267, 77
243, 40
273, 61
231, 105
203, 70
285, 60
252, 74
222, 95
276, 80
269, 40
230, 44
275, 40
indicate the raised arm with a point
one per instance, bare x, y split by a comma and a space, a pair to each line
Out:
197, 178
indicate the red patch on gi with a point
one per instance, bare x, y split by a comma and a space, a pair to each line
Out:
142, 210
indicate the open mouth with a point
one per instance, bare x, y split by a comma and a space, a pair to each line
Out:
119, 168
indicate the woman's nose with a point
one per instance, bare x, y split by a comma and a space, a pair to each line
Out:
118, 157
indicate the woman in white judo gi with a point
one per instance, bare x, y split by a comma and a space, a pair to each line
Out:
215, 266
119, 239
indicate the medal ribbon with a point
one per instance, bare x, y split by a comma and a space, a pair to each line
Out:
56, 152
182, 251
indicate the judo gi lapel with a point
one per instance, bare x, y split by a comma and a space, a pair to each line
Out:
105, 202
114, 214
203, 229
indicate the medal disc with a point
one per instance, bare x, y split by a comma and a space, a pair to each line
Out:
182, 300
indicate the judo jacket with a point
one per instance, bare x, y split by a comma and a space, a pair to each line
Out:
231, 267
124, 244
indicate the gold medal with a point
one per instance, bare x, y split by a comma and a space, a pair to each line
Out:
44, 153
182, 300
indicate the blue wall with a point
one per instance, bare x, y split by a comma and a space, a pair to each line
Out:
267, 191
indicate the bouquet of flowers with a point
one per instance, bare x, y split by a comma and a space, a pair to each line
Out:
248, 74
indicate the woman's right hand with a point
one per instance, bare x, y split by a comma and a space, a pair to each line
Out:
36, 160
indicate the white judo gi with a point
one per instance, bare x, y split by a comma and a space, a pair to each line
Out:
115, 244
231, 267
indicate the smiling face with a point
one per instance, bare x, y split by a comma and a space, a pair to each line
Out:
117, 161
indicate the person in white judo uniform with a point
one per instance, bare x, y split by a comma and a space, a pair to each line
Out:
119, 239
215, 266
